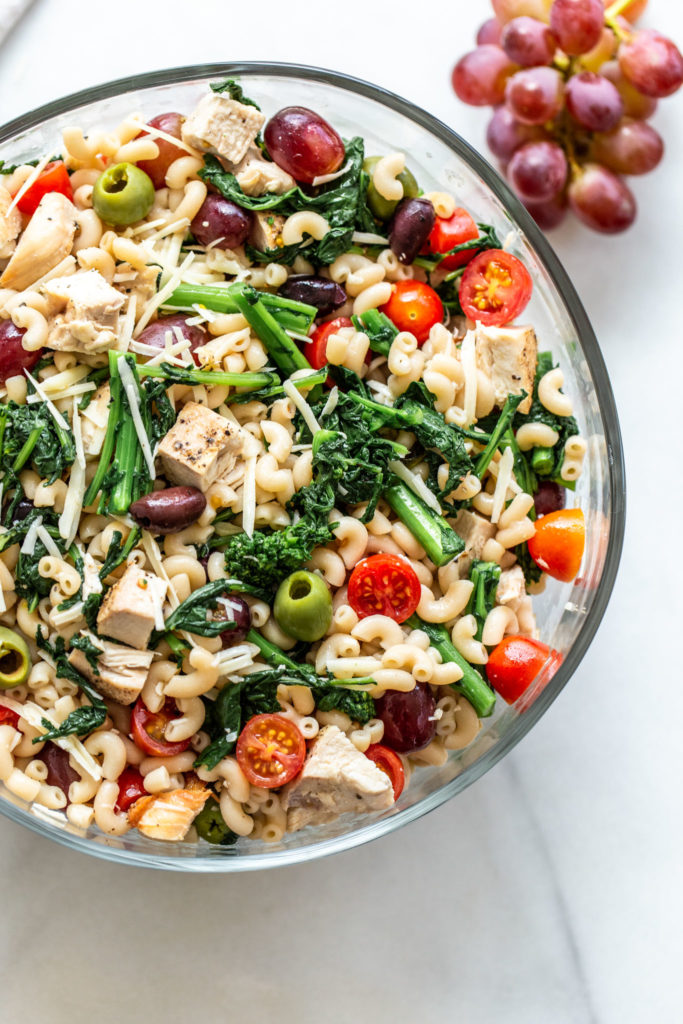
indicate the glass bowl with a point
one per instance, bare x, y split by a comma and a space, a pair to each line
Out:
568, 616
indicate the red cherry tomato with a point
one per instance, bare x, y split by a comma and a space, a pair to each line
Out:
8, 717
495, 288
390, 763
449, 232
270, 751
514, 664
131, 788
148, 729
53, 178
557, 546
384, 585
414, 307
316, 349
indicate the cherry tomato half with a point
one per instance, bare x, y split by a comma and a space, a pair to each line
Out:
495, 288
270, 751
315, 350
390, 763
557, 546
148, 729
131, 787
514, 664
414, 307
8, 717
53, 178
384, 585
449, 232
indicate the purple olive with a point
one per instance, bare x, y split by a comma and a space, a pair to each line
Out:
59, 771
170, 510
22, 510
410, 228
316, 291
155, 334
408, 718
549, 497
233, 609
222, 221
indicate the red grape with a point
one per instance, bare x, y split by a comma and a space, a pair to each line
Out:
634, 147
535, 95
538, 170
479, 77
170, 123
549, 214
652, 63
303, 143
505, 134
577, 24
14, 358
528, 42
221, 221
489, 32
155, 333
594, 102
601, 52
635, 103
506, 10
601, 200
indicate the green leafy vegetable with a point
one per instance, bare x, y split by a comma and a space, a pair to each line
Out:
80, 722
485, 576
234, 90
379, 329
487, 239
85, 719
89, 649
547, 462
439, 540
31, 437
194, 613
280, 347
290, 314
262, 561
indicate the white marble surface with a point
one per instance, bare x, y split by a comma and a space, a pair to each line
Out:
551, 890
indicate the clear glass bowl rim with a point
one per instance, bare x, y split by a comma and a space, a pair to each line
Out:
615, 460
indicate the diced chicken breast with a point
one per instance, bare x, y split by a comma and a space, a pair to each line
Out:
336, 778
200, 447
266, 231
94, 419
132, 608
475, 531
507, 355
46, 241
90, 318
122, 670
511, 586
141, 283
10, 224
222, 126
256, 176
168, 816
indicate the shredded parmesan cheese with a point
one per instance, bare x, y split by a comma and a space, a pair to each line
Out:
249, 496
73, 503
468, 358
56, 414
331, 403
368, 238
302, 405
29, 545
30, 182
416, 484
35, 715
164, 293
322, 179
502, 483
47, 540
130, 387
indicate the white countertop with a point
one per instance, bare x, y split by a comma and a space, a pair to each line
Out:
548, 893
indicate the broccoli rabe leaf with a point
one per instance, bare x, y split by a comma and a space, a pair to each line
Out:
89, 649
80, 722
235, 92
357, 704
263, 560
31, 437
194, 613
566, 426
85, 719
485, 577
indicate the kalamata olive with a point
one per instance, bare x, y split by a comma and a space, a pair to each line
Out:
171, 124
233, 609
59, 771
303, 143
14, 358
549, 497
23, 508
410, 228
222, 221
155, 333
316, 291
170, 510
408, 718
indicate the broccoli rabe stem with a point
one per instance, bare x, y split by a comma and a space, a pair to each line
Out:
439, 540
543, 461
282, 349
504, 420
186, 375
290, 315
113, 424
472, 686
26, 450
129, 464
379, 329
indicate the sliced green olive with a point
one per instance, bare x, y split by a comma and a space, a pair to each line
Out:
15, 660
383, 208
303, 606
123, 194
211, 827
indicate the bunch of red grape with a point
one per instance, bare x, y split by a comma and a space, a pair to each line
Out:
573, 84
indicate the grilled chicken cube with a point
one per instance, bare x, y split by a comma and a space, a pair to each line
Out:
200, 447
266, 231
132, 607
511, 586
475, 531
168, 816
336, 778
507, 355
90, 316
256, 176
122, 670
94, 420
46, 241
222, 126
10, 224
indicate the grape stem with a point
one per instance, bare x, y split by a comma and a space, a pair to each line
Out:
611, 15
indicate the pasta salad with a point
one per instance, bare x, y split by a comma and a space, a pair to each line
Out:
281, 473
